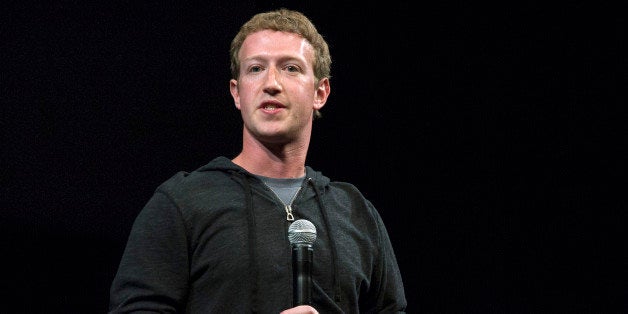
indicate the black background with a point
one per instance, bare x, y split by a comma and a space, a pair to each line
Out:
488, 136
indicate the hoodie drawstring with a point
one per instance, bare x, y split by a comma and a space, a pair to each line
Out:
248, 195
335, 282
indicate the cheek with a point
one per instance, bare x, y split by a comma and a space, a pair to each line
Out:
244, 95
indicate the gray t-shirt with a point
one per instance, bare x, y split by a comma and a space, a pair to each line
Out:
285, 188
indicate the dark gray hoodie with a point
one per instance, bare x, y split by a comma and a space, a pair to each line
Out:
215, 241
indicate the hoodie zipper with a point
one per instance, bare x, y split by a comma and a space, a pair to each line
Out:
287, 207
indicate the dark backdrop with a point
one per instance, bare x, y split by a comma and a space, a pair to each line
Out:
489, 138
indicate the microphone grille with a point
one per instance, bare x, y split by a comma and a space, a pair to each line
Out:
302, 231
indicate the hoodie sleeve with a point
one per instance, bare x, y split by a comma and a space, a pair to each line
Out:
153, 271
390, 295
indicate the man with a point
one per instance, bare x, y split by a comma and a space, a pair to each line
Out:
215, 240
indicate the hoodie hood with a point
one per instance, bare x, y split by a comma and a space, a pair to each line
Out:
225, 164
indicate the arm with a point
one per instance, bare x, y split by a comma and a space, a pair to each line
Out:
153, 271
388, 285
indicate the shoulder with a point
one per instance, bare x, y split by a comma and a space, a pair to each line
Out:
346, 188
213, 177
340, 192
349, 199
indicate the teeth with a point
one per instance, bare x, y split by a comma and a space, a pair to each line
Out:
270, 107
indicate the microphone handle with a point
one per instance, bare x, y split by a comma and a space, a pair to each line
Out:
302, 274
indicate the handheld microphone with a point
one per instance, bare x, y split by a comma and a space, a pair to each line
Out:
302, 235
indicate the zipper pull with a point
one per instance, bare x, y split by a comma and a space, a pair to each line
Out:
289, 216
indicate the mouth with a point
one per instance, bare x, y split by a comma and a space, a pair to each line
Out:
271, 106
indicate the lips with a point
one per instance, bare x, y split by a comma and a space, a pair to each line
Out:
271, 105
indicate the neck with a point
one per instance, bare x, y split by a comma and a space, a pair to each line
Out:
272, 160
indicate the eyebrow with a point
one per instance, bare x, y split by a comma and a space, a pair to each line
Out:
280, 58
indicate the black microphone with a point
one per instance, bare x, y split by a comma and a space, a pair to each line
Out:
302, 234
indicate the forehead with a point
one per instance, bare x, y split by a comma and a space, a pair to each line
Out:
270, 43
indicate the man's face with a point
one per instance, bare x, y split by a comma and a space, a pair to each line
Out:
277, 91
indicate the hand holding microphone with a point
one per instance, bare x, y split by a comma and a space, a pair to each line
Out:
301, 309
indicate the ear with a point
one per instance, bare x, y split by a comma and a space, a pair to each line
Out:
233, 88
322, 92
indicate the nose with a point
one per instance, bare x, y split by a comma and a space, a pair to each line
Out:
272, 85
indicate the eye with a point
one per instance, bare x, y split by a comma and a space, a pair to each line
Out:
255, 69
292, 68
